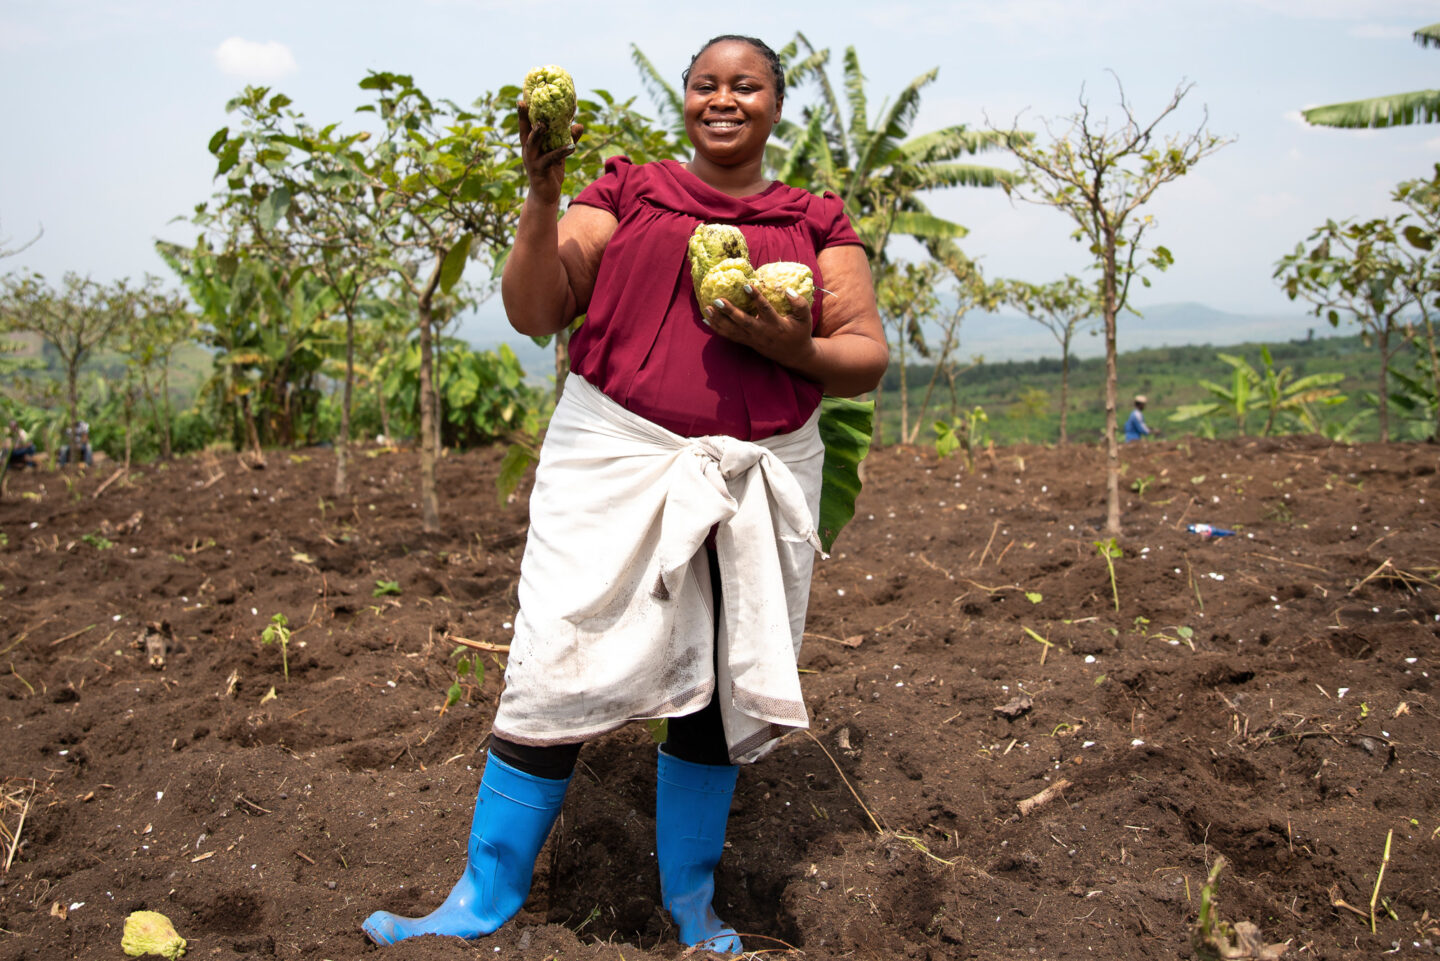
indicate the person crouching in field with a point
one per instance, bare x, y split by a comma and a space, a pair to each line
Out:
672, 522
1135, 426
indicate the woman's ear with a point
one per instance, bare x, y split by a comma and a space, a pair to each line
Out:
779, 103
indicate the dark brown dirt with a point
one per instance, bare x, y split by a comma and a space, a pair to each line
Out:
1267, 697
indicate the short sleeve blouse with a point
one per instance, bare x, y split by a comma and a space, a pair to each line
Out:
644, 342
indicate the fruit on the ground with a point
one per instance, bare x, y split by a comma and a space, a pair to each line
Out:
549, 94
728, 279
710, 244
775, 278
150, 932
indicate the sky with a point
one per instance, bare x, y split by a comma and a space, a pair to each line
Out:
108, 106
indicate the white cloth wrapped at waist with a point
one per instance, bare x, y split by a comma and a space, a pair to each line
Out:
615, 616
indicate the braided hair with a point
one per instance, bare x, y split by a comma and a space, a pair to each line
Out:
771, 58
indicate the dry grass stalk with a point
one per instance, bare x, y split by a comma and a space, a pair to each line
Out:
17, 797
477, 645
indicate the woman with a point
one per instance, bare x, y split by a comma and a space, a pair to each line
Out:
682, 457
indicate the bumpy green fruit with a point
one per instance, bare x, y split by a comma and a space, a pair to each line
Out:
728, 279
772, 280
710, 244
549, 94
149, 932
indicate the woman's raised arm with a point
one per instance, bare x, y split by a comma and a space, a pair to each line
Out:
550, 274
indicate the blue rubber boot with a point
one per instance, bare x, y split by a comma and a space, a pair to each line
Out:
513, 816
692, 805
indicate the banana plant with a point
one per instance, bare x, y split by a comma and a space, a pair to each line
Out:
1270, 390
1395, 110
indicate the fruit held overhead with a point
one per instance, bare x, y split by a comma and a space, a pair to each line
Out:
549, 94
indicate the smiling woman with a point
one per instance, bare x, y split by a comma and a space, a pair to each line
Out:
673, 519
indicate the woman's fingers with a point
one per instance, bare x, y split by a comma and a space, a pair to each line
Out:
782, 338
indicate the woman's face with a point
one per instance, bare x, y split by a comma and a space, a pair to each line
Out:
730, 103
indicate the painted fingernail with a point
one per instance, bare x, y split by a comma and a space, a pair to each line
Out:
708, 312
791, 294
719, 302
748, 289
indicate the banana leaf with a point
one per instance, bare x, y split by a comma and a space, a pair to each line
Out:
846, 427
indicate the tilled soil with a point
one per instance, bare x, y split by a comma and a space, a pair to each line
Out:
1266, 698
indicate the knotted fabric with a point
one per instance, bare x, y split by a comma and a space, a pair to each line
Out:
616, 619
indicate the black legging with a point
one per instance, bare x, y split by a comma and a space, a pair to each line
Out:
698, 738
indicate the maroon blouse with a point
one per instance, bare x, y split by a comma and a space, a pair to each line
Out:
644, 343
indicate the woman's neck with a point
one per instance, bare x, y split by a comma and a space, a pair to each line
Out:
742, 180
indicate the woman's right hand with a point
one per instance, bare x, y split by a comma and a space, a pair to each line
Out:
545, 169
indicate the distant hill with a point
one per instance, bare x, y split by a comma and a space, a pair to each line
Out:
1002, 336
1012, 337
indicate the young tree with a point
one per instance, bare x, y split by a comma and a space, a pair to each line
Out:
1421, 254
1396, 110
1061, 307
161, 323
75, 320
1100, 177
1356, 269
971, 292
905, 294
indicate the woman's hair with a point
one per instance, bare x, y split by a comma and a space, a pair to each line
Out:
776, 70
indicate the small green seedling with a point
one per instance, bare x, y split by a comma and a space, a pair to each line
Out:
97, 542
384, 588
1142, 484
466, 669
1044, 642
278, 632
1109, 550
1216, 940
1034, 597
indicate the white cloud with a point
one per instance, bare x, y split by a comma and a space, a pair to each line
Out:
249, 60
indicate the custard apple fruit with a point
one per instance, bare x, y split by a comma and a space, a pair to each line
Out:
710, 244
774, 279
149, 932
549, 93
728, 279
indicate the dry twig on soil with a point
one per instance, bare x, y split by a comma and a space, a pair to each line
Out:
1044, 797
477, 645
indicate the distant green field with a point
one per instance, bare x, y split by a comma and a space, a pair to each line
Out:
1021, 399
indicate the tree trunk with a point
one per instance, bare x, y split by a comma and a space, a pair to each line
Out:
562, 361
429, 505
1064, 389
167, 439
1434, 371
876, 438
437, 418
251, 431
384, 409
1383, 397
904, 394
1112, 446
342, 442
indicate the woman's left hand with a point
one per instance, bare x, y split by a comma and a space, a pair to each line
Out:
784, 338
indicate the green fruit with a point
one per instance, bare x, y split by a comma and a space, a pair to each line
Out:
710, 244
549, 94
149, 932
772, 280
727, 279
